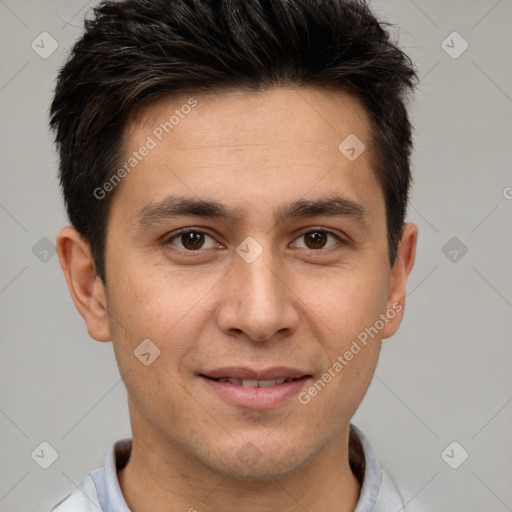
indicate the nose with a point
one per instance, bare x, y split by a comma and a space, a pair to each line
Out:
258, 299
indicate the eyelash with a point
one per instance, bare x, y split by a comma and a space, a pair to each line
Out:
169, 239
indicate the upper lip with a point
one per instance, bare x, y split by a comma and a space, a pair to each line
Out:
244, 373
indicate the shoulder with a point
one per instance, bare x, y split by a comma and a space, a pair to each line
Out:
379, 492
83, 499
99, 490
389, 498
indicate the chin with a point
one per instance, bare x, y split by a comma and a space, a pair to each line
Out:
252, 463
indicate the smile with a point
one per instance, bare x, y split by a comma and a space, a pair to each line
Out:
255, 389
250, 383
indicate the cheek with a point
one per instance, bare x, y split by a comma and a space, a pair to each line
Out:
350, 305
168, 309
150, 300
160, 311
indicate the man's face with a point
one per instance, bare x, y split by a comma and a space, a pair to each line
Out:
257, 294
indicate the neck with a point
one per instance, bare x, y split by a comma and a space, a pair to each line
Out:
160, 478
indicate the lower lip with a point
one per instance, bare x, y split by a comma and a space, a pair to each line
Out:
256, 398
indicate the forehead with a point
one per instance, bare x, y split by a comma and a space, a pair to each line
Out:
259, 145
277, 115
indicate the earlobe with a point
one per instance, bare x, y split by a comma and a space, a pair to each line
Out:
84, 285
402, 267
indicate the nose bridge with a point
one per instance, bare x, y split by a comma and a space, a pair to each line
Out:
261, 282
256, 269
259, 302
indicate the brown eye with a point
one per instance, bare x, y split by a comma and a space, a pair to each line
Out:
316, 239
192, 240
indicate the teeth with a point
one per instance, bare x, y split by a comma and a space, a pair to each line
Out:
267, 383
247, 383
250, 383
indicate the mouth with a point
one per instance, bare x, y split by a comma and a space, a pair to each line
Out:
255, 389
254, 383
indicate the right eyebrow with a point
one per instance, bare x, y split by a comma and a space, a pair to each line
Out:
174, 206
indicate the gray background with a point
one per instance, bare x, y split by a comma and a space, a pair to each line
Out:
444, 377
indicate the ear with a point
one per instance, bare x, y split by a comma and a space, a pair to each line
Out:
406, 254
85, 287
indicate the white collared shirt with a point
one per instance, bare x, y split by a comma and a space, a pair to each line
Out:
99, 491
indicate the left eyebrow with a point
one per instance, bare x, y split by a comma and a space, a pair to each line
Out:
332, 206
175, 206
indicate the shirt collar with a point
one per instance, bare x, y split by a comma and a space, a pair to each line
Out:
378, 491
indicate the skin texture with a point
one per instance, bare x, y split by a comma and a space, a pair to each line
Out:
298, 304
